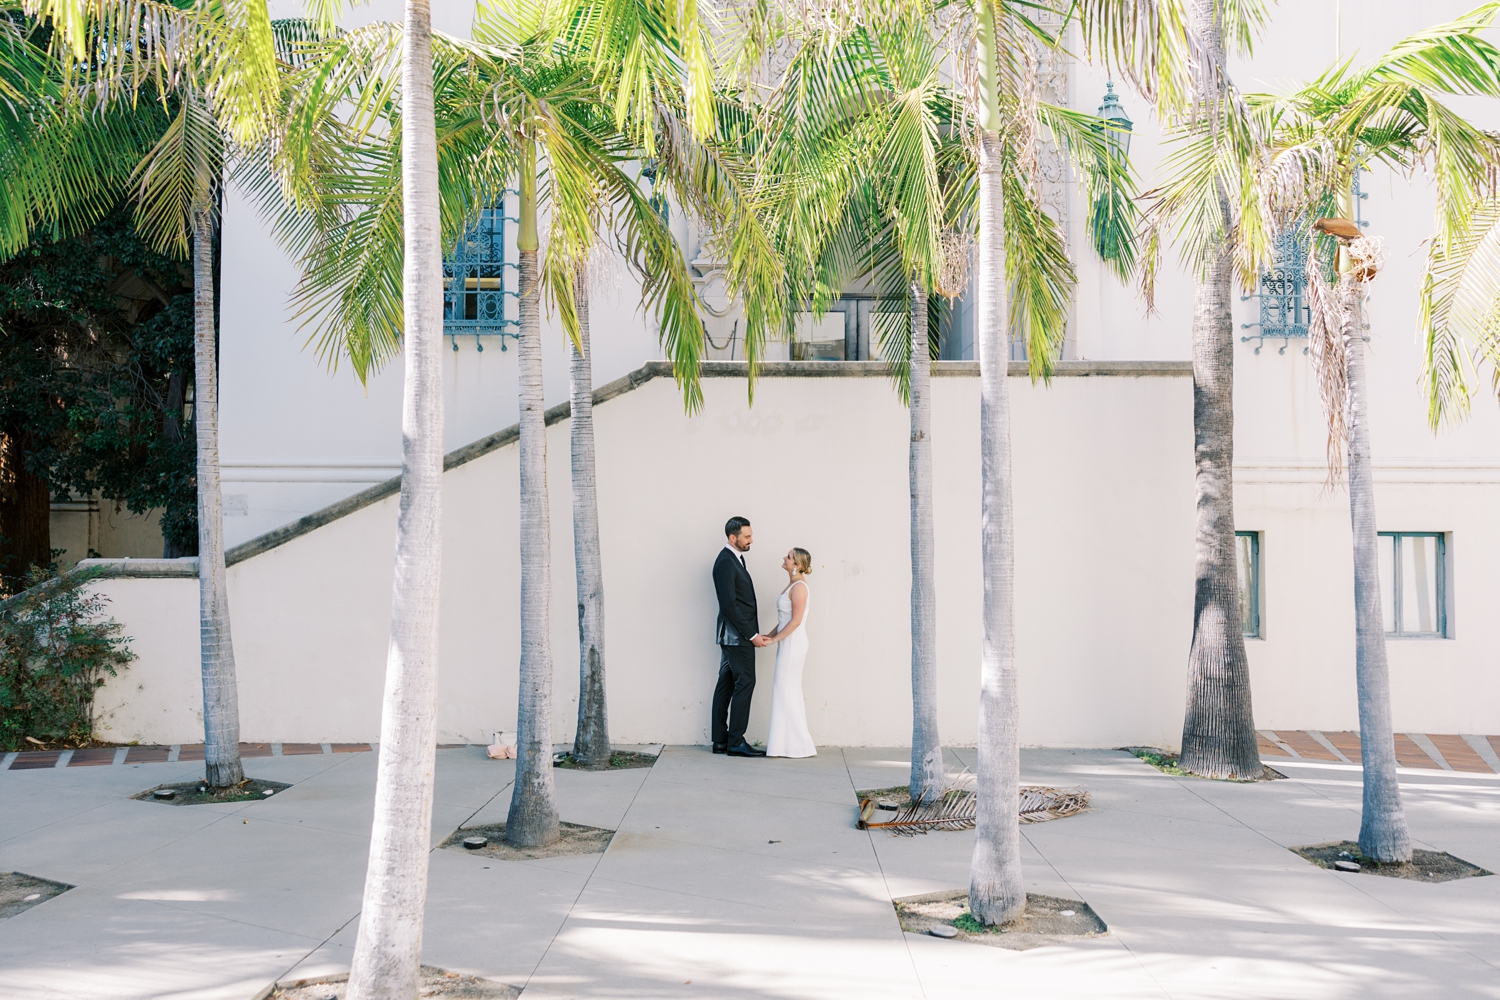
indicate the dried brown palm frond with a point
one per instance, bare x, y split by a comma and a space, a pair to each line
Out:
956, 809
1325, 345
1294, 179
1368, 253
958, 255
1040, 803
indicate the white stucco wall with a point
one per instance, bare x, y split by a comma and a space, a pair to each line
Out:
1103, 497
1103, 500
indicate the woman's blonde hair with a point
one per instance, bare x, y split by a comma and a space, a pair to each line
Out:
802, 561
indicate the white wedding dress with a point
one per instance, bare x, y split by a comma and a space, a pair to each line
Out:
789, 736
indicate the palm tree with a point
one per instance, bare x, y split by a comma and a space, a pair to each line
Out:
591, 746
631, 49
508, 102
532, 820
1391, 112
1201, 197
1138, 36
213, 73
388, 947
996, 892
868, 175
864, 115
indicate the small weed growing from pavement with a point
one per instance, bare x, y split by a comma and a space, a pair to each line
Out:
1166, 763
970, 924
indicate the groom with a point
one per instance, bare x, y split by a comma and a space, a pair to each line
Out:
738, 636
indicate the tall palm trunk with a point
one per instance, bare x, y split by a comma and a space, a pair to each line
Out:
996, 892
1383, 834
388, 950
532, 820
927, 779
221, 704
591, 742
1218, 729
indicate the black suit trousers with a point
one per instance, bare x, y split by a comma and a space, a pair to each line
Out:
732, 694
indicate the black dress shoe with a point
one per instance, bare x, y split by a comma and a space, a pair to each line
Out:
743, 749
721, 747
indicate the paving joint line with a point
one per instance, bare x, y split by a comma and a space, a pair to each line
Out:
263, 994
590, 876
1267, 837
905, 941
221, 818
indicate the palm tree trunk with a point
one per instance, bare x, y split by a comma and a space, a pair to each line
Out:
591, 742
532, 820
388, 949
927, 772
221, 705
996, 892
1218, 728
1383, 834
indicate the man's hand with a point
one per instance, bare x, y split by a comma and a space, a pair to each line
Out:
759, 640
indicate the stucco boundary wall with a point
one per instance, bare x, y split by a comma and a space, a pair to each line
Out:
1104, 507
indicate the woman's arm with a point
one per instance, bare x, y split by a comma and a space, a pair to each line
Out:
799, 606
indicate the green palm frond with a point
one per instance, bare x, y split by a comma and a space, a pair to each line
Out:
1460, 313
178, 177
1395, 111
1113, 215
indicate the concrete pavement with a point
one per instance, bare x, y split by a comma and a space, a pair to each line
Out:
747, 879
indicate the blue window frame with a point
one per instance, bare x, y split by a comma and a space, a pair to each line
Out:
1247, 569
479, 295
1413, 583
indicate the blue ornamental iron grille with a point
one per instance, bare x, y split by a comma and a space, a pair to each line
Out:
478, 299
1284, 310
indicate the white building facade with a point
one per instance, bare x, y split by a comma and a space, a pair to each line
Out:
1103, 481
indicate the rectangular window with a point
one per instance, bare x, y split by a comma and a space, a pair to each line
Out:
476, 299
1247, 564
1413, 584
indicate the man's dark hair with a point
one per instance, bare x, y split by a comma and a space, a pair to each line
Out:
734, 524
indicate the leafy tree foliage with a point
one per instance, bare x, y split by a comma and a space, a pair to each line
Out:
96, 356
56, 646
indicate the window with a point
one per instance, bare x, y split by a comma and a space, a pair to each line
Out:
1284, 309
1413, 584
474, 282
1247, 564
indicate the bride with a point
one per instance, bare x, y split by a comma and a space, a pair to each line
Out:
789, 736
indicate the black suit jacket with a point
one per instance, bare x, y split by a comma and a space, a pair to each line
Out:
738, 616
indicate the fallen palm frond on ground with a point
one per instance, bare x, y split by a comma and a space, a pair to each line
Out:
956, 809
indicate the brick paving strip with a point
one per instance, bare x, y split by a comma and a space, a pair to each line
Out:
28, 760
1432, 752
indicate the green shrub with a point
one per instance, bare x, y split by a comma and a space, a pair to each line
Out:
56, 647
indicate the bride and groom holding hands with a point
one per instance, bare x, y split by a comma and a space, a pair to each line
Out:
739, 635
